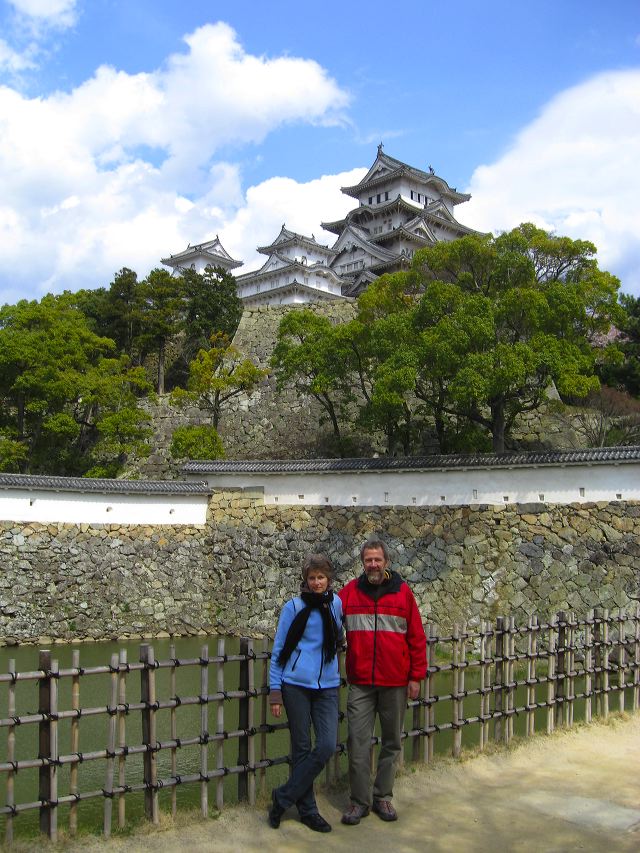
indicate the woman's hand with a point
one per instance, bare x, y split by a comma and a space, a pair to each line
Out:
276, 709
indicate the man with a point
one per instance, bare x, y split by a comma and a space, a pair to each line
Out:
386, 661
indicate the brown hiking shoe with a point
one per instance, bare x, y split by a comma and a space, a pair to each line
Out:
354, 813
384, 810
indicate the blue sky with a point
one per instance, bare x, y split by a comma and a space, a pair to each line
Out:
128, 129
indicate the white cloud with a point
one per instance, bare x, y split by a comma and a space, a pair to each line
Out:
14, 61
123, 168
57, 13
278, 201
573, 170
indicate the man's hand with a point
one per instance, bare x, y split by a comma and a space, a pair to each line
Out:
413, 690
276, 710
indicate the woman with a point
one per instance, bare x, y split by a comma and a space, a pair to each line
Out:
304, 676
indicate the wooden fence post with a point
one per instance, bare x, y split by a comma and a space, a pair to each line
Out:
122, 733
149, 738
485, 682
457, 702
429, 691
243, 722
75, 741
44, 741
499, 728
510, 671
597, 648
532, 655
173, 728
561, 670
220, 722
622, 660
111, 747
551, 673
264, 708
11, 754
204, 730
605, 663
588, 667
571, 667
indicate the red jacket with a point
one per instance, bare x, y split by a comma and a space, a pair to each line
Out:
386, 643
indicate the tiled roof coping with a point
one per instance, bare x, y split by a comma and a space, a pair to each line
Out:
593, 456
32, 482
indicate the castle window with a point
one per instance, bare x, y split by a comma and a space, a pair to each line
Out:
370, 199
386, 196
378, 198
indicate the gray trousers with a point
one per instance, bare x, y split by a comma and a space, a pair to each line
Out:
363, 703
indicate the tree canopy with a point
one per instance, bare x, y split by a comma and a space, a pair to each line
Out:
466, 341
63, 391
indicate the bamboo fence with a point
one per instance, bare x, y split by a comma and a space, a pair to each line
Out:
479, 681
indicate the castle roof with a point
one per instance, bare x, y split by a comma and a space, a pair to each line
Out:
459, 461
386, 168
314, 293
288, 265
87, 485
291, 238
211, 250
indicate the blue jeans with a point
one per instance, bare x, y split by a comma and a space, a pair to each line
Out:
305, 707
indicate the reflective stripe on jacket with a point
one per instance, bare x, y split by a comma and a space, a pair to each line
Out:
386, 643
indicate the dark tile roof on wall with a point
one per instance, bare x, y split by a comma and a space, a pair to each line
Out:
594, 456
30, 482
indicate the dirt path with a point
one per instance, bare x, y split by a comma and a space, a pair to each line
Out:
576, 790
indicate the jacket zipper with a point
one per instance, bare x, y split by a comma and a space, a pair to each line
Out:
297, 659
321, 663
375, 643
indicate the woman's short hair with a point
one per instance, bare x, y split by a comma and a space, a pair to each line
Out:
317, 563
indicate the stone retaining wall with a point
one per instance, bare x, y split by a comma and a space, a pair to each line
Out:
464, 563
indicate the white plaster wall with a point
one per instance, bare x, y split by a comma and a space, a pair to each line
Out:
76, 508
563, 485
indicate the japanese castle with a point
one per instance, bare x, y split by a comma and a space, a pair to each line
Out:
400, 209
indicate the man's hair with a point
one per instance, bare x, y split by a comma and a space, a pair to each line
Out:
372, 544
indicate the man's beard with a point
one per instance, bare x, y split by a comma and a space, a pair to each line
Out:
375, 577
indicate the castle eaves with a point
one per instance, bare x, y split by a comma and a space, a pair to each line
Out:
31, 482
559, 458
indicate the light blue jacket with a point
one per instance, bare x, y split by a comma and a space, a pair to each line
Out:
306, 666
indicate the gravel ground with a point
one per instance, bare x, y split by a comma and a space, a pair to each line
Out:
574, 790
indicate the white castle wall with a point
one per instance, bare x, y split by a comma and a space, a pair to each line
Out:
554, 485
40, 505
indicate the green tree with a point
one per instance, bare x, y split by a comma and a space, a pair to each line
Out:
470, 338
57, 381
211, 306
310, 356
620, 365
505, 317
217, 375
196, 442
161, 316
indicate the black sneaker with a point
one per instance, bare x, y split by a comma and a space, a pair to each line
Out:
316, 822
275, 811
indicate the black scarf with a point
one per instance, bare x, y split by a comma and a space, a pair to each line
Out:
330, 631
